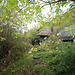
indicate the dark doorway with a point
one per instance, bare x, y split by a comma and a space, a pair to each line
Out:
67, 40
43, 36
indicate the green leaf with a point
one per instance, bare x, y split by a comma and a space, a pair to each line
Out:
1, 30
0, 1
2, 39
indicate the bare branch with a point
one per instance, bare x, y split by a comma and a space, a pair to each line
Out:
44, 1
24, 6
41, 3
49, 3
44, 5
54, 2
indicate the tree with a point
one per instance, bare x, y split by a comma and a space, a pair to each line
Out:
27, 10
32, 36
15, 14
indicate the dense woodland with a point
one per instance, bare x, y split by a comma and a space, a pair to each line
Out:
22, 51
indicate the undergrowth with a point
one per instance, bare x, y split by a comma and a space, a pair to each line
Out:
59, 60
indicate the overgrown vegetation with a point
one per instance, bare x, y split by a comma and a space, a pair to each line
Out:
12, 48
24, 53
59, 60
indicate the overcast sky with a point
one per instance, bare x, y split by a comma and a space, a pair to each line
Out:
45, 12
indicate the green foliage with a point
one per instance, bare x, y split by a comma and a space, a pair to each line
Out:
32, 35
59, 56
63, 58
42, 71
17, 67
12, 48
0, 0
2, 39
66, 19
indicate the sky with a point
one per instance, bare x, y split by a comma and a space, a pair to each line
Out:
32, 25
45, 12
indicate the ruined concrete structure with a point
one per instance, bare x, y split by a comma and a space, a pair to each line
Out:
44, 32
65, 36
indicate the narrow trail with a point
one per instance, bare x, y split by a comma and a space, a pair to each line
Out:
38, 62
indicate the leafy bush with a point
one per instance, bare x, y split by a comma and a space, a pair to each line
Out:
42, 71
62, 59
12, 47
32, 36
